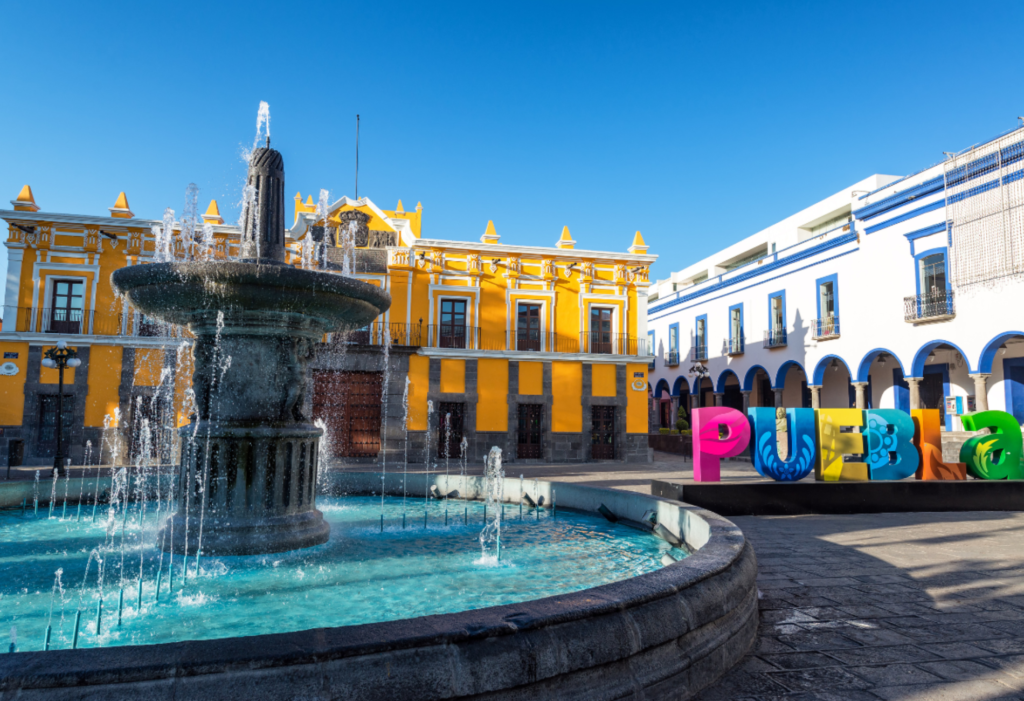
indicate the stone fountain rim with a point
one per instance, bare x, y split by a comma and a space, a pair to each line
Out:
281, 276
717, 580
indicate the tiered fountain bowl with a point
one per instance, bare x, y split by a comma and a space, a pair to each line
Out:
249, 459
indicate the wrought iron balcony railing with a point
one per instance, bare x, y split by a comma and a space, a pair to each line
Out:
612, 343
776, 338
672, 358
83, 322
934, 306
824, 329
735, 345
699, 354
377, 334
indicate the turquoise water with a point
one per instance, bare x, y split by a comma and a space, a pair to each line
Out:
360, 576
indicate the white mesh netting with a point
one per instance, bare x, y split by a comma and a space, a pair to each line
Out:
984, 198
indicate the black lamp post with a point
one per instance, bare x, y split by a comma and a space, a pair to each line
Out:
60, 357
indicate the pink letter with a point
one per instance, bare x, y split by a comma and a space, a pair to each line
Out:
709, 448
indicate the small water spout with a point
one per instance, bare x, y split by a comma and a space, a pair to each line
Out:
494, 490
53, 493
35, 496
190, 221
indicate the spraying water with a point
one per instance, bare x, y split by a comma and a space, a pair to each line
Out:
190, 222
386, 350
262, 121
494, 490
405, 427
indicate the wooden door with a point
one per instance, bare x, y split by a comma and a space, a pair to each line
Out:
602, 441
449, 429
601, 330
350, 404
529, 444
66, 307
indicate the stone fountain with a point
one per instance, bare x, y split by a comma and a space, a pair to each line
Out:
249, 458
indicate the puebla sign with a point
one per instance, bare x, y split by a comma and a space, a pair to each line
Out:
891, 444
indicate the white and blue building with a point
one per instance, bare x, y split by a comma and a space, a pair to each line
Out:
903, 292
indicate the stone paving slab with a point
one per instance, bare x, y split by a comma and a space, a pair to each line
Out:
909, 607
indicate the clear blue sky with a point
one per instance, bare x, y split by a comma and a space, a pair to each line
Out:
696, 123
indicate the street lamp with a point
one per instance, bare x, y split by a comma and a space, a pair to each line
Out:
59, 358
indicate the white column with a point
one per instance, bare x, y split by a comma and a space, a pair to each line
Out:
980, 391
719, 399
746, 399
860, 390
815, 396
11, 291
778, 398
915, 392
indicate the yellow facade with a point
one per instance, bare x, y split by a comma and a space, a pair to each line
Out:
468, 309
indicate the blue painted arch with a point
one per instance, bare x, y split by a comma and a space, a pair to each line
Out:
988, 354
748, 380
865, 365
662, 385
824, 364
917, 367
780, 377
723, 377
680, 383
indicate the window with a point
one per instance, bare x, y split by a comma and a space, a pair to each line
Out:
933, 274
827, 299
452, 332
778, 315
67, 305
827, 323
528, 330
673, 345
700, 345
600, 330
775, 336
736, 329
934, 299
651, 350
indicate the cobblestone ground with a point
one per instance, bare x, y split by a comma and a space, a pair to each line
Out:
919, 607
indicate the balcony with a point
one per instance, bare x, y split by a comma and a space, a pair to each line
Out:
934, 306
699, 354
77, 322
824, 329
735, 345
672, 358
612, 343
377, 334
528, 340
776, 338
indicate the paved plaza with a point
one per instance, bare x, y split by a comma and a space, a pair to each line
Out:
917, 607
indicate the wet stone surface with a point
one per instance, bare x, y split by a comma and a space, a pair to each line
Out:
894, 606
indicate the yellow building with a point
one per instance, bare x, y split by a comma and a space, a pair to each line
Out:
540, 351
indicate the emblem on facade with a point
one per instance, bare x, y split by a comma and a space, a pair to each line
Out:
8, 369
639, 385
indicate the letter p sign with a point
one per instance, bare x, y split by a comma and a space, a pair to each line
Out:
709, 443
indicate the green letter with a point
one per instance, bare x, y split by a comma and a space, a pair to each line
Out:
997, 456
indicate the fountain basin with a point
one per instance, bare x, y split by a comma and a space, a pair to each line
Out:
663, 634
185, 293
